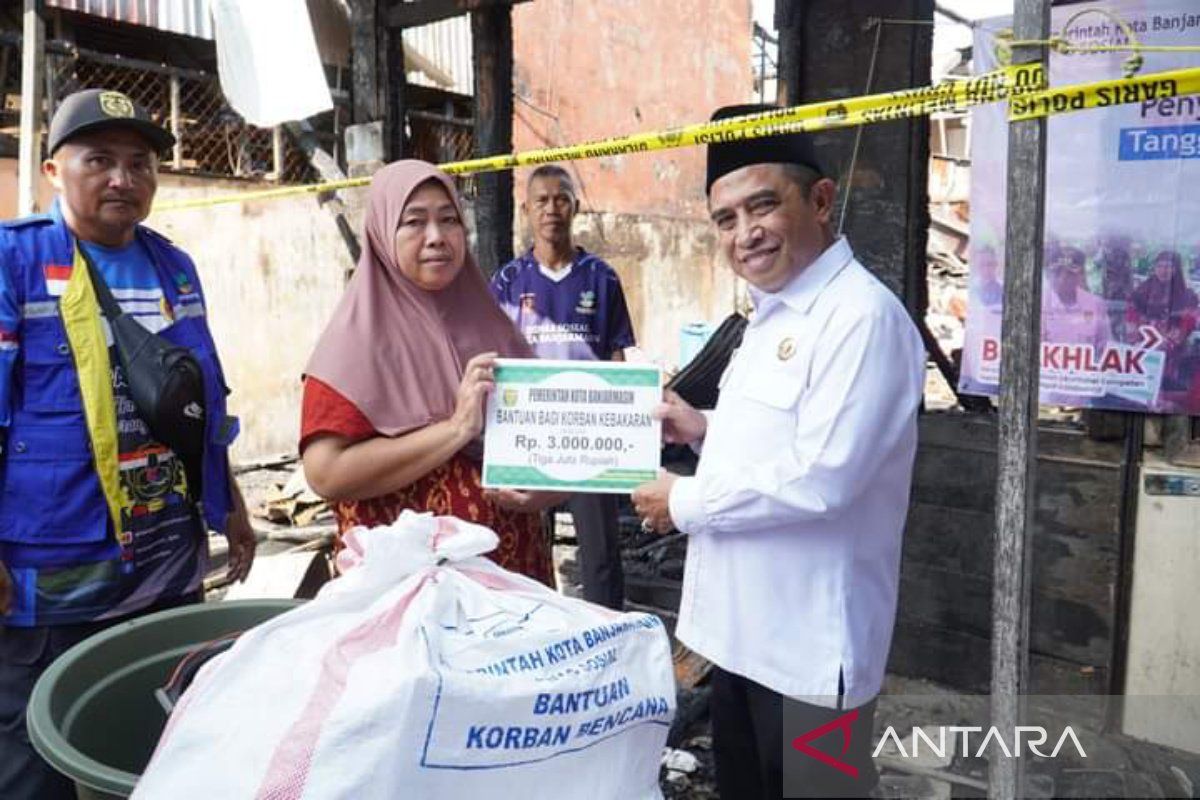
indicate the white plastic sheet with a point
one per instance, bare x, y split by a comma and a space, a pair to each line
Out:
268, 62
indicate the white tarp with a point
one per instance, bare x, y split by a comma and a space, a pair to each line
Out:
268, 61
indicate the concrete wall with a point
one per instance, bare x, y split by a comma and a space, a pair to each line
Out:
272, 273
585, 70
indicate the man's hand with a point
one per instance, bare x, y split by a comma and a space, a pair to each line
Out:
651, 500
524, 502
242, 543
5, 589
681, 424
239, 534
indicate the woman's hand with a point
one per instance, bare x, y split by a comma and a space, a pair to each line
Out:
477, 381
524, 502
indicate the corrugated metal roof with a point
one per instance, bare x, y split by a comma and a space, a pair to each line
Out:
448, 45
189, 17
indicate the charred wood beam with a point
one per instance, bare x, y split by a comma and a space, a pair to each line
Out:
395, 92
365, 51
492, 42
423, 12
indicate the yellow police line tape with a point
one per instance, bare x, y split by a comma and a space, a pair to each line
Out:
1024, 86
1102, 94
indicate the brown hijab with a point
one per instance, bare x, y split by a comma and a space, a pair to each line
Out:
393, 349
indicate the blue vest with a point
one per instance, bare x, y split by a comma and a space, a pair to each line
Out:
50, 492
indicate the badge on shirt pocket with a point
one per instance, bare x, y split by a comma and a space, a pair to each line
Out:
786, 349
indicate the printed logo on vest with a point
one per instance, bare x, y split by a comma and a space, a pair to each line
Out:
587, 303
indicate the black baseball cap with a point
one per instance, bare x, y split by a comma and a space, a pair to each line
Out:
96, 109
781, 148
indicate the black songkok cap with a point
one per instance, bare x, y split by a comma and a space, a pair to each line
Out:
781, 148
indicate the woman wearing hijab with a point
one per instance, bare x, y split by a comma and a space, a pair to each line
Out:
1164, 301
393, 394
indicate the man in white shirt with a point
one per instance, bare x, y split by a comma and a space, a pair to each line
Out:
796, 512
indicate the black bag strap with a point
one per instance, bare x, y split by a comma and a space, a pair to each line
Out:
104, 295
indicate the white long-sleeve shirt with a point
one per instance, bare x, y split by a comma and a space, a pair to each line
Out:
797, 509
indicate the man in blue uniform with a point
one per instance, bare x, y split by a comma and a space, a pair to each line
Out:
99, 520
570, 305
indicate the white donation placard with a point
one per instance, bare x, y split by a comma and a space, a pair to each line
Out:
582, 426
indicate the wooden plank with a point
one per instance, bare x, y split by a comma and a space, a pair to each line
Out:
963, 479
955, 539
690, 668
176, 123
1074, 565
423, 12
1019, 373
327, 167
959, 659
1076, 630
1073, 496
492, 42
277, 154
979, 432
33, 67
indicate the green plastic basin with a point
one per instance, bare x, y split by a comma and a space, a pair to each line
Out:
93, 715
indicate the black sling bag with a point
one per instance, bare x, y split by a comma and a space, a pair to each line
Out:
165, 382
697, 382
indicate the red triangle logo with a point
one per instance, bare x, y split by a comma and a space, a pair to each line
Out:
842, 723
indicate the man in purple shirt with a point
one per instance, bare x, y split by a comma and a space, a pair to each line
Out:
569, 305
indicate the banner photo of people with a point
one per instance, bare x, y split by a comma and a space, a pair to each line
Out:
1121, 270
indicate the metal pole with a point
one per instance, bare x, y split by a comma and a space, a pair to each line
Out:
176, 127
1017, 452
33, 62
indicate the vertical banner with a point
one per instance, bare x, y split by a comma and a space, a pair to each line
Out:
1122, 262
